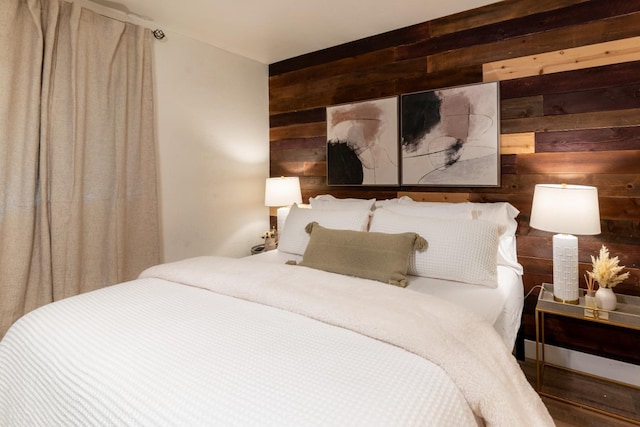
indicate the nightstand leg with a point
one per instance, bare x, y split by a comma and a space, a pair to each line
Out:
539, 339
542, 344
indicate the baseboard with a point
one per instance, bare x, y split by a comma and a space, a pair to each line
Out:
595, 365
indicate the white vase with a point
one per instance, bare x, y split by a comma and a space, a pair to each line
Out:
606, 299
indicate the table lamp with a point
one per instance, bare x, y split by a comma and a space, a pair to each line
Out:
565, 209
282, 192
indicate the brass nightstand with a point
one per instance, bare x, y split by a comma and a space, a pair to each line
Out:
626, 315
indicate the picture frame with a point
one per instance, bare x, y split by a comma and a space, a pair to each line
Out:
362, 143
451, 137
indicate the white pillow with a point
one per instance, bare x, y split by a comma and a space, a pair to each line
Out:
294, 238
435, 210
504, 214
327, 201
501, 213
388, 202
462, 250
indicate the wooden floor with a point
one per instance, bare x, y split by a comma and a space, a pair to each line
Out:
609, 397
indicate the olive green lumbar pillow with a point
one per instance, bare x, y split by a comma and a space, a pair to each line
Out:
378, 256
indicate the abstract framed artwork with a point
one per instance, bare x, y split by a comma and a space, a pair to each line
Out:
451, 137
362, 143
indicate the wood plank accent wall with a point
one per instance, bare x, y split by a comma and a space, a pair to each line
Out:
578, 123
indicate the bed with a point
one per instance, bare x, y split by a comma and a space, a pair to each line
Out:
257, 341
500, 306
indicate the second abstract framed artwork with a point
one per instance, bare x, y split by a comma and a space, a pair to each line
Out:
451, 137
445, 137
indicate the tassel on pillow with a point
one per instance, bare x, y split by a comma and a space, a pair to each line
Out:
420, 244
309, 227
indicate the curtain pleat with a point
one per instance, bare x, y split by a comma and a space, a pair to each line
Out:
95, 220
21, 45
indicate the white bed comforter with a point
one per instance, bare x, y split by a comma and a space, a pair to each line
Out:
156, 352
501, 306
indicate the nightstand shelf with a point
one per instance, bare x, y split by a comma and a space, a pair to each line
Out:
626, 315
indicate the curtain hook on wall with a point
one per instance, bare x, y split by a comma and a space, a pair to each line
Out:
159, 34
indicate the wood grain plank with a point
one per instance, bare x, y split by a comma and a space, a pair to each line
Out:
522, 202
572, 81
518, 26
298, 117
517, 143
317, 168
392, 38
350, 92
601, 99
623, 231
600, 119
313, 182
620, 162
299, 155
426, 196
507, 164
605, 139
620, 208
298, 168
530, 106
429, 81
493, 13
305, 130
338, 67
609, 184
298, 143
563, 38
539, 245
326, 90
286, 169
594, 55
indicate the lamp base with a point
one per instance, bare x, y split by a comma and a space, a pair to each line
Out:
565, 269
575, 302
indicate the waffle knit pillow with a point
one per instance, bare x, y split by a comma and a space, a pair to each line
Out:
462, 250
294, 238
377, 256
501, 213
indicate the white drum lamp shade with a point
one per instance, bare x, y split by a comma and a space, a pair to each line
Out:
568, 210
282, 192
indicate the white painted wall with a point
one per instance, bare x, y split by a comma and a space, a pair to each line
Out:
213, 136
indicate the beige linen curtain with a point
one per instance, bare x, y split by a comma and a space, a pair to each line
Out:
78, 191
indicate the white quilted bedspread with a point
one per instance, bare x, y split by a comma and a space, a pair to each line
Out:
196, 343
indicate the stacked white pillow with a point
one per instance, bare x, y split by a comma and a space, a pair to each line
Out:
327, 201
459, 249
294, 238
466, 240
439, 210
501, 213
